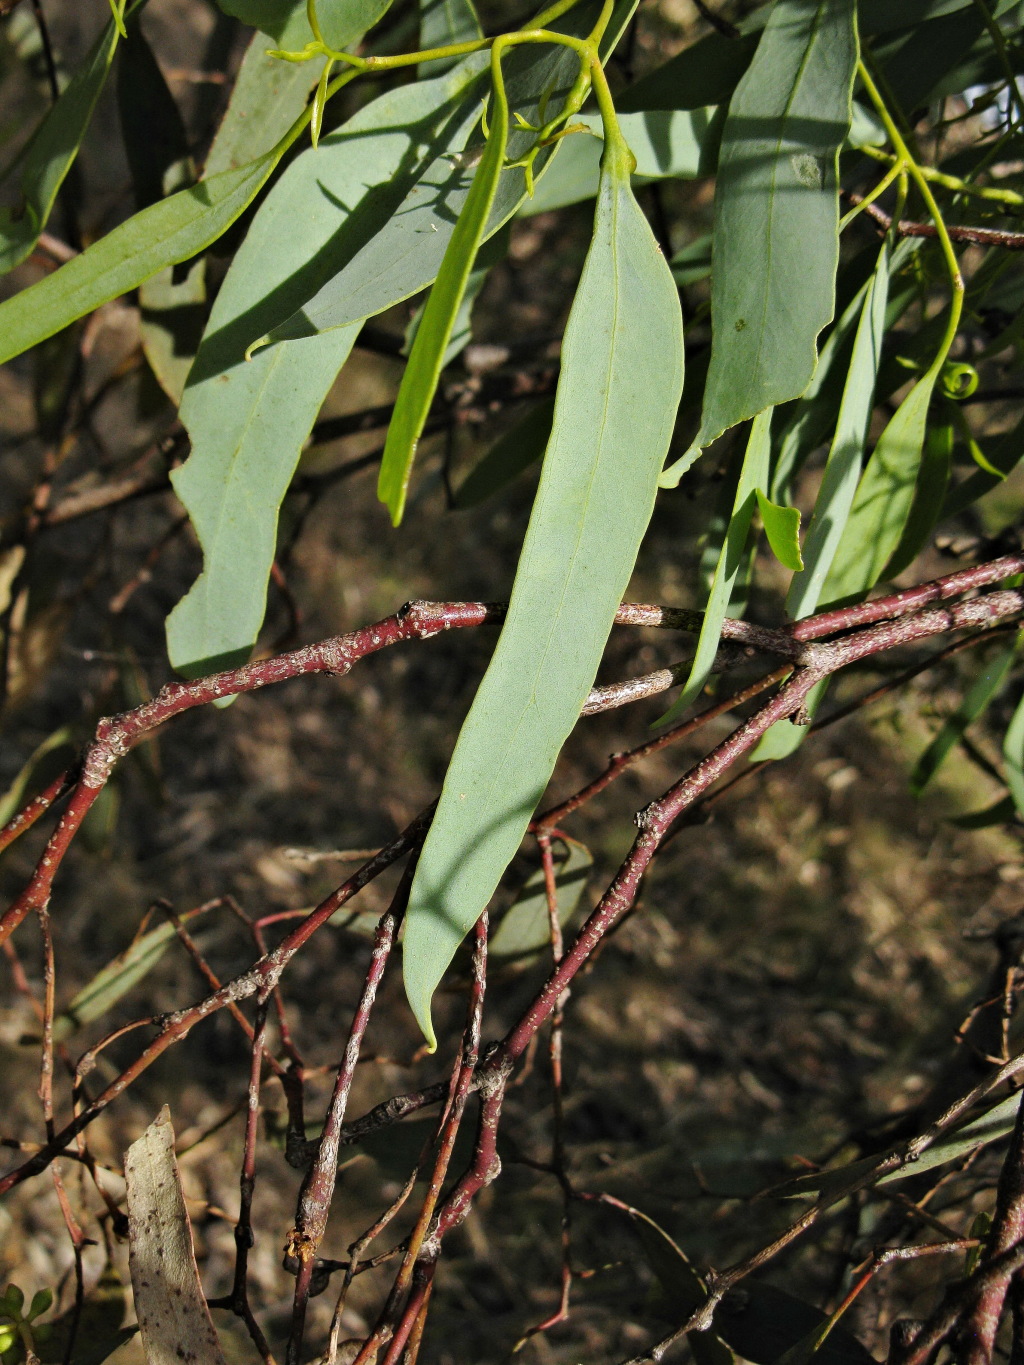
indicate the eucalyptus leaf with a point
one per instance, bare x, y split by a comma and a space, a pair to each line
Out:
521, 446
929, 493
776, 233
622, 372
248, 418
753, 475
404, 252
884, 497
667, 144
341, 21
525, 928
442, 24
51, 152
974, 704
419, 383
266, 99
842, 470
117, 978
992, 1125
173, 230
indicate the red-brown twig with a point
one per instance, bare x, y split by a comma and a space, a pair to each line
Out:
318, 1187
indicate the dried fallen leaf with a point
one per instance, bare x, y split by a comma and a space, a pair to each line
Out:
173, 1317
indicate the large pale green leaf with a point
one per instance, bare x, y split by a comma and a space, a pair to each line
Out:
753, 475
974, 704
419, 383
173, 230
50, 153
776, 238
709, 71
266, 99
621, 378
248, 419
404, 254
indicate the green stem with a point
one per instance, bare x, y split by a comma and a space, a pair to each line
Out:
949, 182
919, 178
893, 173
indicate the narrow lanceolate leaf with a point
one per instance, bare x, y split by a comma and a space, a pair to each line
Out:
776, 233
419, 382
883, 499
164, 234
51, 152
248, 419
842, 471
753, 475
267, 97
117, 978
971, 708
174, 1319
782, 529
405, 252
839, 483
1013, 757
620, 383
929, 495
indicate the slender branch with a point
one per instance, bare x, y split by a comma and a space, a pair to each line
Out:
980, 236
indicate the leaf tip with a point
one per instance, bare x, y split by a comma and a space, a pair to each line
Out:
257, 345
